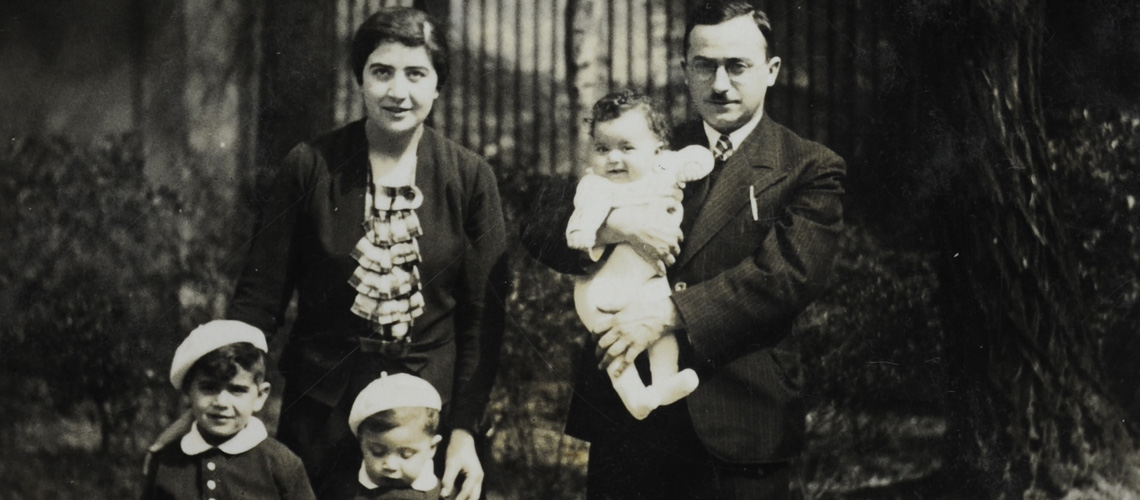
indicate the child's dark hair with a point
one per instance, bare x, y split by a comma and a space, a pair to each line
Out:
223, 363
615, 104
387, 420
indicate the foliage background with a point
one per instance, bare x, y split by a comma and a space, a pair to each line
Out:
103, 274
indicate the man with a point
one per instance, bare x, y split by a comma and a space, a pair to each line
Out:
760, 236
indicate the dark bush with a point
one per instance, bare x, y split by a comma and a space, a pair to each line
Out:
1099, 157
90, 278
102, 276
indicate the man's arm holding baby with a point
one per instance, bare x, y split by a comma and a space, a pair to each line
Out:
640, 225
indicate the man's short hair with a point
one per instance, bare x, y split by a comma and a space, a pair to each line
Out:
223, 363
615, 104
716, 12
386, 420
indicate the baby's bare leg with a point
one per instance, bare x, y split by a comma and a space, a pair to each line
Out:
668, 385
638, 399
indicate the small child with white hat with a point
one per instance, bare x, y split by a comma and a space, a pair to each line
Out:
396, 420
227, 453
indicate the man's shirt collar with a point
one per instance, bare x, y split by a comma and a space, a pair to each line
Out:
736, 136
254, 433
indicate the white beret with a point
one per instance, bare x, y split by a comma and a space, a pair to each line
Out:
392, 391
207, 338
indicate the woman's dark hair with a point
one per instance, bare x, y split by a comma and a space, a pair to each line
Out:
716, 12
384, 421
615, 104
411, 27
223, 363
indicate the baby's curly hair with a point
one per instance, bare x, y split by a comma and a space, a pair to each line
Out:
615, 104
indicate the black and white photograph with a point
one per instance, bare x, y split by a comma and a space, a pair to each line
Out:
570, 249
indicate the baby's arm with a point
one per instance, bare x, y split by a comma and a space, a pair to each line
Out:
688, 164
592, 204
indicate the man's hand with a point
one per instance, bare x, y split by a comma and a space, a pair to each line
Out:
461, 457
634, 328
645, 229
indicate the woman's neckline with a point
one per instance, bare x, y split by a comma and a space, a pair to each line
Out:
394, 165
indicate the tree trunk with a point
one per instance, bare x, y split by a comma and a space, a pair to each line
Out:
584, 75
1028, 415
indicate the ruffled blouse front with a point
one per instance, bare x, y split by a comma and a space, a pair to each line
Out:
387, 280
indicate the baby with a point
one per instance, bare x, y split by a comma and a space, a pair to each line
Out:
396, 420
630, 166
227, 453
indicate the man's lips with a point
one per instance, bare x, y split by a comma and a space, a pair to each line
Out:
718, 102
396, 110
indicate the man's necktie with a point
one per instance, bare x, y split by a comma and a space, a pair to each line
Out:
723, 149
697, 191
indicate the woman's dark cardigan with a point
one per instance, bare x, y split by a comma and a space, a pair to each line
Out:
310, 221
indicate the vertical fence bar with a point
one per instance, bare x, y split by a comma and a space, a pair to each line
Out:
565, 144
484, 68
836, 78
460, 13
653, 41
497, 27
516, 108
812, 35
777, 102
536, 138
610, 48
527, 84
857, 54
790, 63
669, 51
542, 89
678, 97
619, 45
639, 55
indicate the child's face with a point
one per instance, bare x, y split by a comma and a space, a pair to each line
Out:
397, 456
625, 148
222, 407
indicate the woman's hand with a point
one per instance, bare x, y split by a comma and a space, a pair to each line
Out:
461, 457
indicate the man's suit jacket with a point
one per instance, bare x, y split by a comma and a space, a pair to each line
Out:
739, 282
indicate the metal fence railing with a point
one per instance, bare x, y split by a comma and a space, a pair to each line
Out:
512, 94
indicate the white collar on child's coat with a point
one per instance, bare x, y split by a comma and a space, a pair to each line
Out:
426, 482
254, 433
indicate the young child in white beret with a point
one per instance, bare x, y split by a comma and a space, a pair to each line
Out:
220, 369
396, 420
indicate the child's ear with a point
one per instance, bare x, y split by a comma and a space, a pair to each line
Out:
435, 442
660, 147
262, 396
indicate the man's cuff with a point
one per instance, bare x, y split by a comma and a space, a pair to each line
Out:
686, 356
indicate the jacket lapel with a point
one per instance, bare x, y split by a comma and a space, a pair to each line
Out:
758, 163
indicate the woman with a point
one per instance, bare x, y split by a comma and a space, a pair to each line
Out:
392, 237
